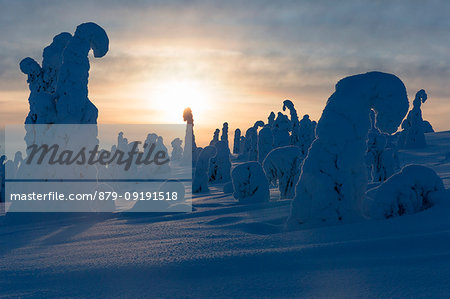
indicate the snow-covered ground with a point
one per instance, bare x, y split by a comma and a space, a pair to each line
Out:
225, 249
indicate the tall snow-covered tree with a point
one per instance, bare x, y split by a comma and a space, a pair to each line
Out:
333, 181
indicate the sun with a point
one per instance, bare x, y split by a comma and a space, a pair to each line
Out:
171, 97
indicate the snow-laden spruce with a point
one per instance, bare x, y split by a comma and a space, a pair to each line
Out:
237, 141
265, 142
282, 168
200, 182
224, 136
295, 125
73, 105
280, 129
271, 119
215, 138
177, 150
190, 153
250, 183
381, 159
409, 191
333, 181
220, 164
251, 141
306, 134
413, 135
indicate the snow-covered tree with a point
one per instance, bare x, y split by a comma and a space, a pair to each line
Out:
271, 119
333, 181
224, 136
265, 142
409, 191
251, 141
190, 148
72, 104
215, 137
237, 142
295, 125
306, 134
250, 183
220, 164
177, 150
200, 182
412, 135
282, 168
280, 130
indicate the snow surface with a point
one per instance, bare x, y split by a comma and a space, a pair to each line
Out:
226, 249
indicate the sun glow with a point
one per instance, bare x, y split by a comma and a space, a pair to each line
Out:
171, 97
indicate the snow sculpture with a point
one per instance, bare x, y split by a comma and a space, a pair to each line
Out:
177, 150
215, 137
220, 164
282, 166
412, 135
250, 183
333, 181
237, 142
306, 134
295, 136
409, 191
189, 140
200, 182
265, 142
280, 129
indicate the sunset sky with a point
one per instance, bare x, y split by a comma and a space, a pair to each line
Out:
233, 61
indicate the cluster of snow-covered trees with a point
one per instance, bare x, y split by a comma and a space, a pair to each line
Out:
324, 167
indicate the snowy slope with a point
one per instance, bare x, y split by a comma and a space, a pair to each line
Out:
223, 249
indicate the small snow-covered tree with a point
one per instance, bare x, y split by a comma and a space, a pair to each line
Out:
220, 164
282, 167
333, 181
215, 137
409, 191
251, 141
224, 136
280, 130
190, 148
250, 184
412, 135
177, 150
265, 142
271, 119
295, 125
237, 142
200, 182
306, 134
